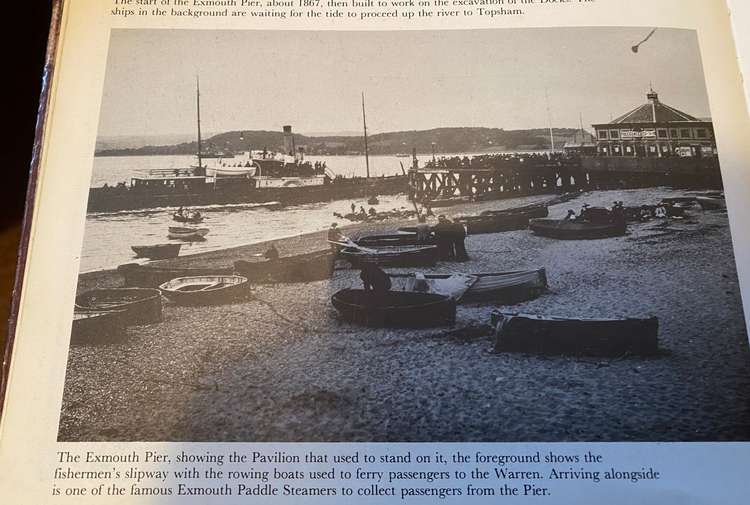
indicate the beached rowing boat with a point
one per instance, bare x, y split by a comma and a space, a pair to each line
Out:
447, 201
205, 290
502, 288
185, 233
156, 252
532, 211
400, 238
576, 230
530, 333
136, 305
147, 276
496, 223
397, 309
314, 266
97, 327
711, 203
393, 256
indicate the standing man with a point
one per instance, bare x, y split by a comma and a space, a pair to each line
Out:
459, 238
444, 238
335, 235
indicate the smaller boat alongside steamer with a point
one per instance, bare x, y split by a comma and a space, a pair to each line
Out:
157, 252
540, 334
205, 290
147, 276
186, 233
395, 309
135, 305
309, 267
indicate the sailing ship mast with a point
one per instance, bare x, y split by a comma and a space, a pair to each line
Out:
364, 122
549, 119
198, 104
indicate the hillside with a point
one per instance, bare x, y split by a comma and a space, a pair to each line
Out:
446, 140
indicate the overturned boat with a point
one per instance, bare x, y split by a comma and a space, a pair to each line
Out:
314, 266
576, 230
135, 305
397, 309
147, 276
157, 252
502, 288
205, 290
528, 333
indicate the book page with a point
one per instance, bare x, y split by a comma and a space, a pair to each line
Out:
388, 251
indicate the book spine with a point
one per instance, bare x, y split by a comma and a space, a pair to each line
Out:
47, 78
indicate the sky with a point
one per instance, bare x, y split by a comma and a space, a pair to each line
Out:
412, 80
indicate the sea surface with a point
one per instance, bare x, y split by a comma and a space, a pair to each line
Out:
108, 236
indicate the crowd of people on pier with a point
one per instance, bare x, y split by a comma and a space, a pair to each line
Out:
493, 161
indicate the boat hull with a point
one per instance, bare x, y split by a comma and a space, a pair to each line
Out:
145, 276
97, 327
708, 203
574, 230
392, 256
158, 252
137, 305
178, 233
310, 267
240, 191
403, 238
394, 309
477, 225
199, 290
501, 288
592, 337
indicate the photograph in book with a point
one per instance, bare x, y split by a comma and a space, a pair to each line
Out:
442, 236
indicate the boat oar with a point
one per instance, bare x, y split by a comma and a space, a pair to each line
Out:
353, 245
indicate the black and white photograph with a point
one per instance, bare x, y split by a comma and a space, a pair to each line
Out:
497, 235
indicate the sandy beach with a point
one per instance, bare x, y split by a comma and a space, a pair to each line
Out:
283, 366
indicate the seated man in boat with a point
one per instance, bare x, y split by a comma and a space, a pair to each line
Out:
375, 279
272, 253
571, 215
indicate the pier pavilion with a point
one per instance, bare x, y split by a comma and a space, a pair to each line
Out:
656, 130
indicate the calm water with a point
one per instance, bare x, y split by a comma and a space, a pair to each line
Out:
108, 236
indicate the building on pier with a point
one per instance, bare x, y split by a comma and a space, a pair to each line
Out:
656, 130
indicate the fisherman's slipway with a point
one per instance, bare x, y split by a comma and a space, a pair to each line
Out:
284, 367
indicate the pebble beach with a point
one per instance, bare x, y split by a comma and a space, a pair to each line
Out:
283, 367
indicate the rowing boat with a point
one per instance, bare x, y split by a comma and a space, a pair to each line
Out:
532, 211
494, 223
156, 252
398, 309
184, 233
400, 238
137, 305
147, 276
314, 266
205, 290
393, 256
194, 219
530, 333
97, 327
502, 288
711, 203
576, 230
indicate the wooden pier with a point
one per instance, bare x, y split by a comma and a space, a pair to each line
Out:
520, 178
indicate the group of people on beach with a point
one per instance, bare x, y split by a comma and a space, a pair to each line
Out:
449, 237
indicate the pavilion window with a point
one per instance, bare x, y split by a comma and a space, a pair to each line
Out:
602, 134
673, 134
662, 134
685, 133
614, 134
701, 133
